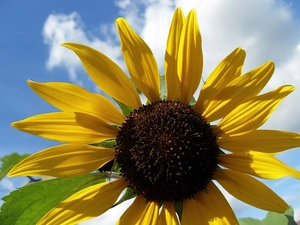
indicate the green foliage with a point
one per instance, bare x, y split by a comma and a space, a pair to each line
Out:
27, 205
272, 218
9, 161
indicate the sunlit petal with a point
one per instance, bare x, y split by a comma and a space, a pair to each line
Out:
238, 90
190, 59
64, 161
85, 204
168, 215
134, 212
140, 61
225, 213
171, 55
67, 127
215, 214
107, 75
258, 164
72, 98
229, 69
253, 113
267, 141
150, 214
250, 191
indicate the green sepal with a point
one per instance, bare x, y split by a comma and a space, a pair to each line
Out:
129, 194
9, 161
179, 209
193, 101
136, 87
273, 218
107, 144
126, 110
27, 205
163, 88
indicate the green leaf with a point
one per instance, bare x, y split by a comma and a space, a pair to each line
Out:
249, 221
9, 161
273, 218
163, 87
129, 194
126, 110
27, 205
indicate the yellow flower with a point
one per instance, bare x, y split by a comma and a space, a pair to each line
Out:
167, 150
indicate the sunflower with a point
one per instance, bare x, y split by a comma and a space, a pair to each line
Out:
170, 151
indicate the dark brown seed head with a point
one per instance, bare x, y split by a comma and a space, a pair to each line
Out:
167, 151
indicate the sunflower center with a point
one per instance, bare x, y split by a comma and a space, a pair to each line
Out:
167, 151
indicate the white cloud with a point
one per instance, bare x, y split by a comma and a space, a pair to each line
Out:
60, 28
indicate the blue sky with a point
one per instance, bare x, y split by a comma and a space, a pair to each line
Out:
31, 32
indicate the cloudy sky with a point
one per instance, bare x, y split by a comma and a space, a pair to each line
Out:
32, 31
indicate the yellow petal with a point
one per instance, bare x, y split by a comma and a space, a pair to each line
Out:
253, 113
140, 61
194, 213
150, 214
267, 141
85, 204
64, 161
215, 214
72, 98
134, 212
190, 59
168, 215
107, 75
171, 55
229, 69
250, 191
67, 127
238, 90
219, 205
258, 164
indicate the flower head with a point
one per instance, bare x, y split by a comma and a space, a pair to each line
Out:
168, 150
